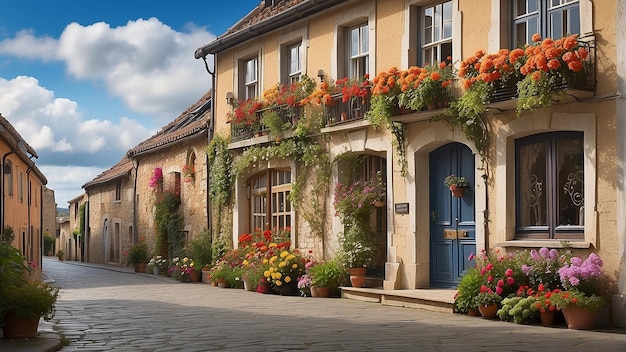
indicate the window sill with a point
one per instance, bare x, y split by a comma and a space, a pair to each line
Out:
542, 243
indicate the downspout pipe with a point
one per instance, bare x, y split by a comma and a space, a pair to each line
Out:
4, 161
135, 232
210, 138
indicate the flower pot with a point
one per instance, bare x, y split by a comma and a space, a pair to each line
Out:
20, 328
290, 289
547, 318
221, 283
314, 292
379, 203
579, 318
489, 311
206, 276
357, 277
265, 287
473, 312
140, 268
457, 192
344, 116
194, 276
324, 292
155, 271
248, 285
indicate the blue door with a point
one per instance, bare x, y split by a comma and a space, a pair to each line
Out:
452, 227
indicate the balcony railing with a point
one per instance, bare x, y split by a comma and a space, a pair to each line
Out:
339, 112
584, 80
289, 115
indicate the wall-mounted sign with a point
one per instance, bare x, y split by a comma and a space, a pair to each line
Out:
402, 208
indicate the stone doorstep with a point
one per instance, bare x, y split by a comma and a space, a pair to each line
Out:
437, 300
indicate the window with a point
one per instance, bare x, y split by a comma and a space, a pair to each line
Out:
275, 213
436, 29
295, 63
359, 51
550, 18
251, 78
20, 187
118, 190
550, 194
8, 170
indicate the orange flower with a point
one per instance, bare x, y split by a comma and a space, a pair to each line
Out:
582, 53
575, 66
554, 64
435, 76
570, 42
536, 76
536, 37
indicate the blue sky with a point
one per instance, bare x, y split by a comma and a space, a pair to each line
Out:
84, 81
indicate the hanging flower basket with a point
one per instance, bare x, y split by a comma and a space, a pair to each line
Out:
457, 192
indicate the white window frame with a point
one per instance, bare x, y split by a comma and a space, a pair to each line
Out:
500, 33
413, 37
361, 14
358, 51
291, 38
240, 58
438, 37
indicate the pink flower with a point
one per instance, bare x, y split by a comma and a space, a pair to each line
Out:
510, 281
499, 290
508, 272
500, 283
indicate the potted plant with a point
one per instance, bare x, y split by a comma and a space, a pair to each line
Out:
457, 184
285, 270
60, 255
488, 302
326, 276
138, 256
580, 299
428, 87
23, 305
467, 289
386, 90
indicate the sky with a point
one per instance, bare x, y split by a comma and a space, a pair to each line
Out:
84, 81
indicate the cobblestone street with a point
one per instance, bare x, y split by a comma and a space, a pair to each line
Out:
103, 309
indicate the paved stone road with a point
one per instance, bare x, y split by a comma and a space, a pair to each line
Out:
106, 310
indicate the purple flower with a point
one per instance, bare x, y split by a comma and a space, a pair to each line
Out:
535, 255
544, 252
527, 269
554, 254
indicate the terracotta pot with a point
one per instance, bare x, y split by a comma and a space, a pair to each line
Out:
547, 318
206, 276
140, 268
473, 312
379, 203
457, 192
314, 292
357, 276
324, 292
248, 285
579, 318
20, 328
344, 116
194, 276
489, 312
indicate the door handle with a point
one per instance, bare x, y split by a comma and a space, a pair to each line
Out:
433, 216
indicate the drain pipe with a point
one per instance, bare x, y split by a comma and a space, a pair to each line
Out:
209, 139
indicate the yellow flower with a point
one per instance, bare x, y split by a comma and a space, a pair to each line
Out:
273, 245
265, 261
278, 283
282, 264
246, 262
278, 275
266, 273
287, 279
273, 259
290, 257
283, 254
295, 266
272, 269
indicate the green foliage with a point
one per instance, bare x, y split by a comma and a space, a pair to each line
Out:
575, 298
81, 221
60, 253
355, 245
518, 309
466, 113
327, 274
536, 93
467, 289
48, 242
220, 162
199, 249
382, 106
168, 223
30, 301
12, 265
274, 122
7, 235
138, 253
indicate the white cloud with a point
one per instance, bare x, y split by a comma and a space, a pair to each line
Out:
145, 63
26, 45
66, 181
